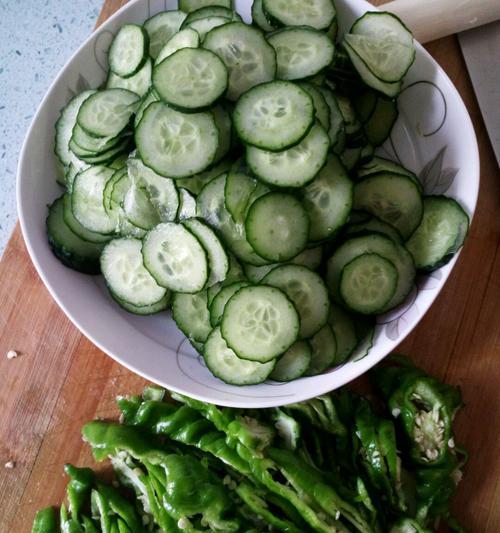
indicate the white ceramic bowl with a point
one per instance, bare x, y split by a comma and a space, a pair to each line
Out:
433, 137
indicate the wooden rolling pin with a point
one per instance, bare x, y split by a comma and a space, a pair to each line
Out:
432, 19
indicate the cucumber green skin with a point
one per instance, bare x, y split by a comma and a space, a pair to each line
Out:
69, 259
283, 373
379, 126
86, 264
147, 310
449, 254
342, 324
183, 325
319, 363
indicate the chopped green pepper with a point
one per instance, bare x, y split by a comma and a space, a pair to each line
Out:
45, 521
78, 489
425, 408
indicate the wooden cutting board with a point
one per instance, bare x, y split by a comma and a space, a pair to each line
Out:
60, 380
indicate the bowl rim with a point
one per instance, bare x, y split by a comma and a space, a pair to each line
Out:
352, 372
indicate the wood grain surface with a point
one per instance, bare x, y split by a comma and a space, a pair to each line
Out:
60, 380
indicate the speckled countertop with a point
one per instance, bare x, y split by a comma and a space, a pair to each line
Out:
36, 39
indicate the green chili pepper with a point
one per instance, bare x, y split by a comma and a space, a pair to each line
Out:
88, 525
45, 521
78, 489
287, 427
378, 454
69, 525
152, 392
408, 525
425, 408
121, 506
191, 491
101, 511
246, 430
252, 497
321, 412
436, 485
310, 484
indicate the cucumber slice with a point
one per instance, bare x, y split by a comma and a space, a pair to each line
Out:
391, 198
161, 192
328, 200
310, 258
351, 121
204, 25
109, 155
128, 51
175, 258
218, 260
139, 83
187, 205
212, 11
188, 6
186, 38
368, 283
440, 234
211, 207
194, 184
161, 27
378, 127
301, 52
106, 113
377, 165
139, 210
247, 55
190, 312
220, 300
383, 24
342, 324
190, 79
227, 366
274, 115
108, 189
336, 125
145, 310
65, 125
125, 275
322, 111
295, 166
259, 18
318, 14
237, 194
87, 200
389, 89
378, 244
277, 226
364, 104
175, 144
387, 60
147, 99
323, 351
88, 143
77, 228
293, 363
224, 125
374, 225
67, 246
307, 292
260, 323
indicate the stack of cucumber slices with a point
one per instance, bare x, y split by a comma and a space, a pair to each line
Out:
227, 170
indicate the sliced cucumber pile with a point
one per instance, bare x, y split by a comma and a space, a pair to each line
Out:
227, 171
